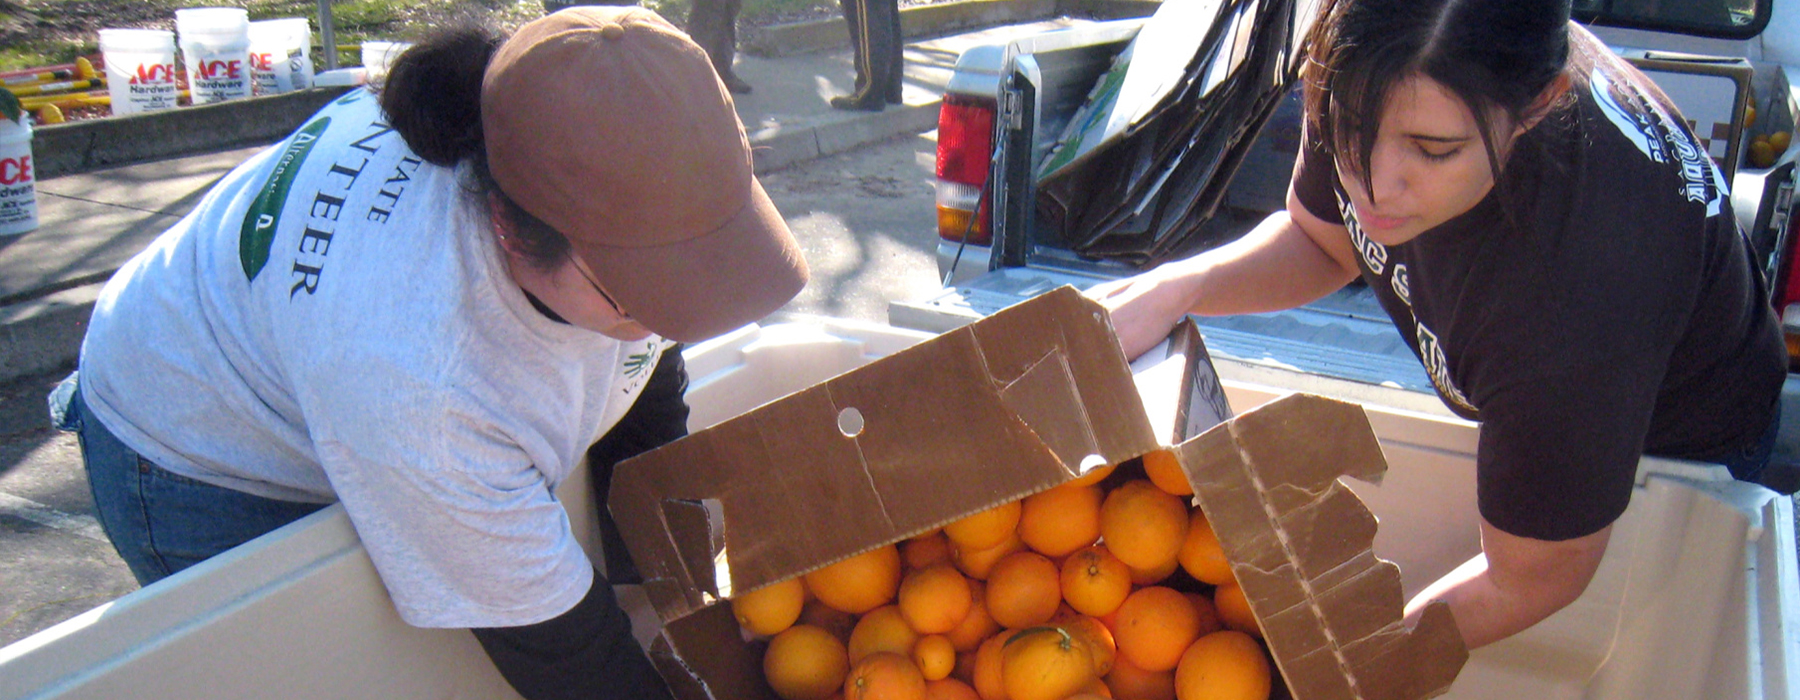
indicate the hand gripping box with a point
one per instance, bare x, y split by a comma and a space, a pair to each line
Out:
1011, 405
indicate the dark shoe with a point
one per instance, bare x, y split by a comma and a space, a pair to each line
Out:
864, 103
735, 84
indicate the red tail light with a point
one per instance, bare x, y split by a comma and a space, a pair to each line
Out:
965, 145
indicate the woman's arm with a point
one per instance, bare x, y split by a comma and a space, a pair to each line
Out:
1514, 583
1291, 258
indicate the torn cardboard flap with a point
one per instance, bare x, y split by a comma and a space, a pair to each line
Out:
978, 416
1300, 543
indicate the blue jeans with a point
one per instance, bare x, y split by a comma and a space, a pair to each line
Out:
159, 521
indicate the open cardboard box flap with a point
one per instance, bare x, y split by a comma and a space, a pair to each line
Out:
1010, 405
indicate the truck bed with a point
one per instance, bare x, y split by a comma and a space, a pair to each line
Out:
1695, 599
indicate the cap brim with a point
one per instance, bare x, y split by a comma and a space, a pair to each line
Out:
705, 286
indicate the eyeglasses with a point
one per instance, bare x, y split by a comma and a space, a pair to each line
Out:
588, 275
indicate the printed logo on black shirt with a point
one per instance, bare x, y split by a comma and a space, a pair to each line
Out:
1375, 258
1655, 134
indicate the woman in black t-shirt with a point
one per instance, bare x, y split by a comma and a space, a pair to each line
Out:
1538, 221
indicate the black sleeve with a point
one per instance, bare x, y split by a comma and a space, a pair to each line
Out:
1559, 451
1315, 179
587, 652
658, 417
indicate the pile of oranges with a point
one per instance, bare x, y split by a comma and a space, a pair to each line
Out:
1109, 586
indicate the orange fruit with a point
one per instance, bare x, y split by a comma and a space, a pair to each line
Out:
805, 663
949, 689
977, 625
1234, 610
1223, 666
1165, 471
1093, 476
1045, 663
1151, 577
858, 584
1095, 635
882, 629
1201, 555
1061, 520
1209, 615
988, 681
830, 619
768, 610
1155, 625
1143, 526
1096, 689
935, 599
976, 563
925, 550
934, 656
1023, 590
1129, 682
1094, 582
884, 676
986, 528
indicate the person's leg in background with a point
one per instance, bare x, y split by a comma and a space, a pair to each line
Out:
855, 20
713, 25
896, 53
159, 521
659, 417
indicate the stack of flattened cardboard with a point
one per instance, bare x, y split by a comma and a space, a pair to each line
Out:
1012, 405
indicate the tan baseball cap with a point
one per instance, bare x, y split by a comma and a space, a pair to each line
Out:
610, 125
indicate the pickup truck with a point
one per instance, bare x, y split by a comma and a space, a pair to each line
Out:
1003, 239
1696, 598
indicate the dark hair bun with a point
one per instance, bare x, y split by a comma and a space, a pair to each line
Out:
432, 94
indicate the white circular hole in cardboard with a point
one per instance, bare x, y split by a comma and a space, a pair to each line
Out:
850, 422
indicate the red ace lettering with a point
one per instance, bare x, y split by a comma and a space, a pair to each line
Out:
15, 170
149, 73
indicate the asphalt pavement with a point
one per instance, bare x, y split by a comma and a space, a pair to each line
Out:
861, 214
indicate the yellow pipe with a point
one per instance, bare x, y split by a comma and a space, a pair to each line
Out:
74, 99
47, 88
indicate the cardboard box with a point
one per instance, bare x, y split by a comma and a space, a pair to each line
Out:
1014, 404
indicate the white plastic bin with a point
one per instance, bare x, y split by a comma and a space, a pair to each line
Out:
140, 69
281, 55
18, 178
215, 47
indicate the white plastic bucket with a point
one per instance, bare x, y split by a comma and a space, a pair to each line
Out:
18, 179
215, 46
378, 55
140, 69
281, 55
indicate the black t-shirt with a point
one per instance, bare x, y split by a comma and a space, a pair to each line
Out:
1619, 313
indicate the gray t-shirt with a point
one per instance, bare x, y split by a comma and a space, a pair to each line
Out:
334, 321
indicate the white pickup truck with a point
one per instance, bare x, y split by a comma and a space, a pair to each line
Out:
1697, 596
1695, 599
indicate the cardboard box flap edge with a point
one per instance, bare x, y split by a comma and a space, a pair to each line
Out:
1300, 545
985, 414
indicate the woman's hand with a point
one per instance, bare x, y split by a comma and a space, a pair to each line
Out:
1146, 307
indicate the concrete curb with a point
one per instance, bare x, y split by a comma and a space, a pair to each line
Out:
928, 20
779, 147
78, 147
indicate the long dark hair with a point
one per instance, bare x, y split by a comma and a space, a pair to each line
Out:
432, 97
1492, 54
